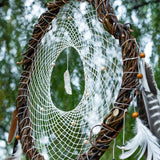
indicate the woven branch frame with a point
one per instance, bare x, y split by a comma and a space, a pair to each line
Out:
111, 126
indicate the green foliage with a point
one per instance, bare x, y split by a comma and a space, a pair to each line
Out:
16, 25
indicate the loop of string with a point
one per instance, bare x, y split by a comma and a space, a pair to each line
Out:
120, 104
114, 144
130, 40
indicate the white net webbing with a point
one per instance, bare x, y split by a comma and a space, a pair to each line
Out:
61, 133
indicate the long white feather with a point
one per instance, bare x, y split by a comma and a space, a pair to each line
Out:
145, 140
67, 82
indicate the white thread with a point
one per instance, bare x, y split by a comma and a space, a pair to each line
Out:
129, 72
124, 126
127, 41
127, 59
23, 119
114, 144
119, 107
35, 156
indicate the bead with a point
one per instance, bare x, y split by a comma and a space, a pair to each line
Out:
135, 114
87, 94
103, 69
53, 64
73, 123
18, 137
123, 147
115, 112
42, 109
137, 92
85, 142
142, 55
69, 18
139, 75
123, 35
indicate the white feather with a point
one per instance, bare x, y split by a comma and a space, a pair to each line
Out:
17, 154
145, 140
67, 82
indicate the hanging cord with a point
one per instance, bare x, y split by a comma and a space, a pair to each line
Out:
67, 59
124, 122
114, 144
124, 117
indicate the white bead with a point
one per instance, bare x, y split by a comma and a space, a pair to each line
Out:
42, 109
73, 123
123, 148
115, 112
87, 94
69, 18
86, 142
53, 64
103, 69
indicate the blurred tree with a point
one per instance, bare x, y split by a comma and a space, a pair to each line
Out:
17, 18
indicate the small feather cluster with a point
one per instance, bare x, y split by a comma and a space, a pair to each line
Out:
145, 140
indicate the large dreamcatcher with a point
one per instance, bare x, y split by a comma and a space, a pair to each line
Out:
85, 132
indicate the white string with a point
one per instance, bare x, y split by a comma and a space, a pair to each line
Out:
129, 40
124, 125
124, 117
114, 144
128, 59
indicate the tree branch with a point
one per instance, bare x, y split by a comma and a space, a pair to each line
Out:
144, 4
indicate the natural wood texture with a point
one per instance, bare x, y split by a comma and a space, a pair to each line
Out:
13, 126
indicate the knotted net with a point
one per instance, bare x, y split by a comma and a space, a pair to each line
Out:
46, 130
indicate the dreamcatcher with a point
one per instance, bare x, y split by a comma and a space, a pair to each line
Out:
47, 132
